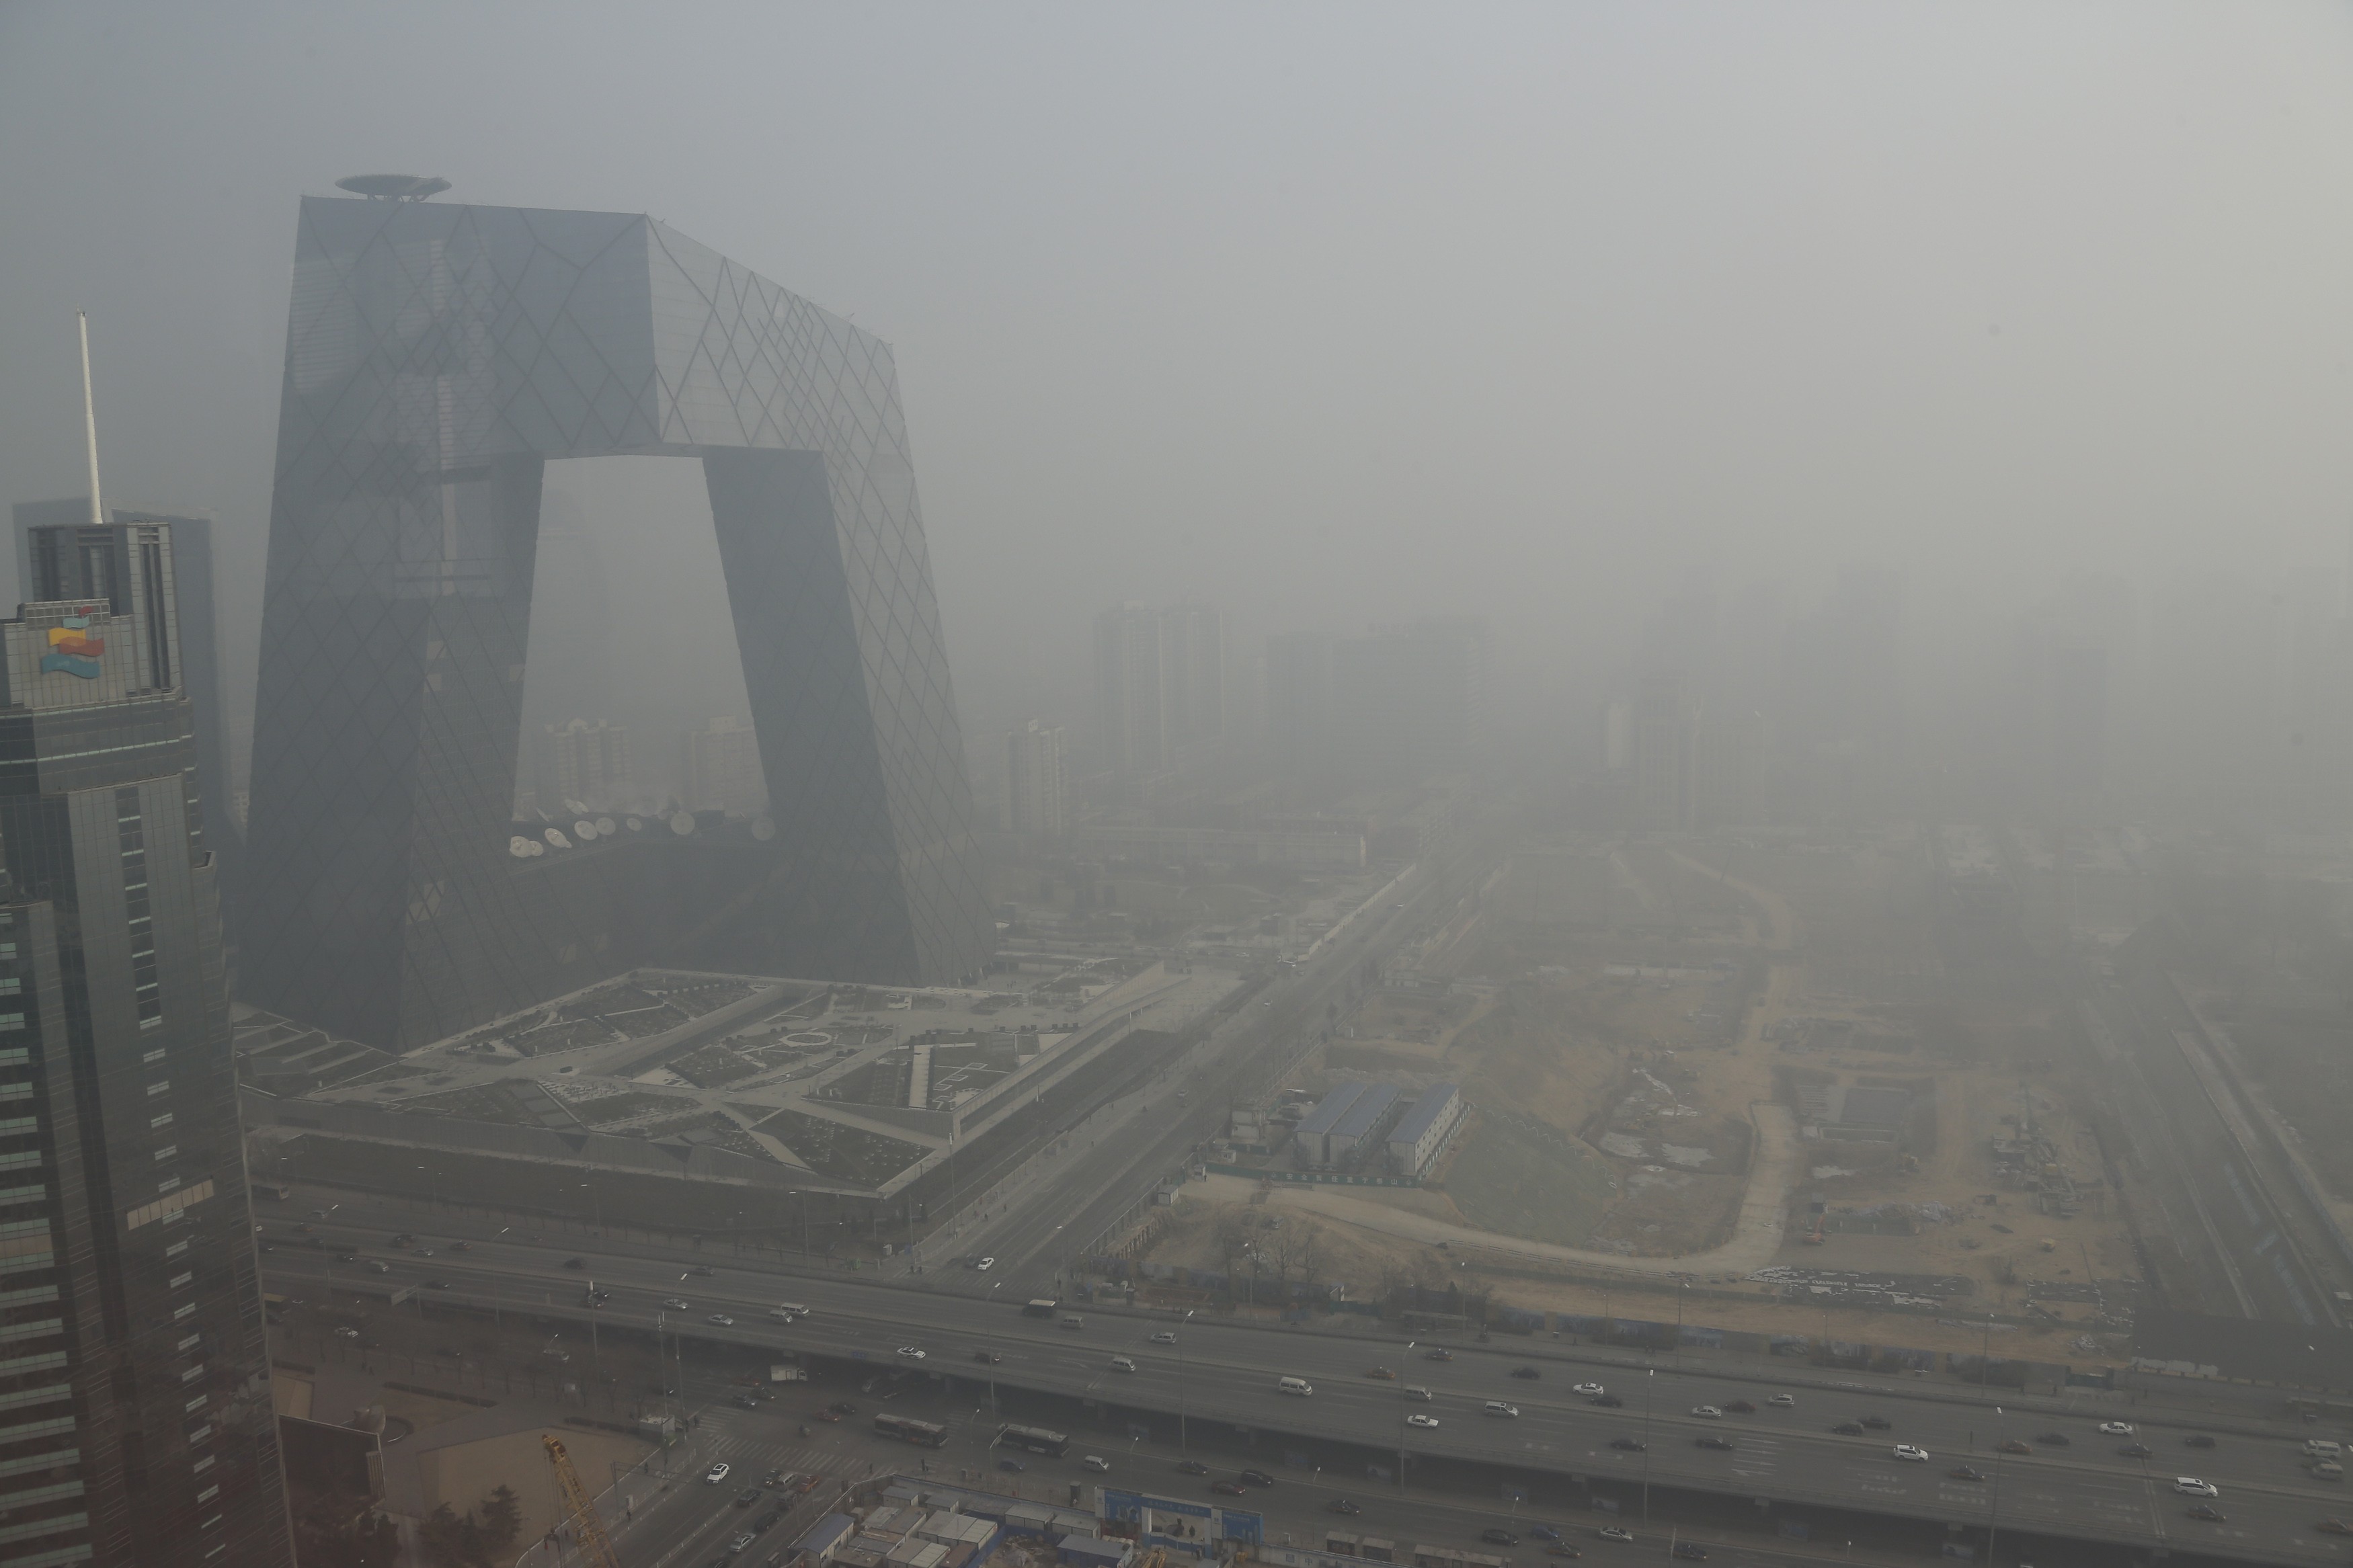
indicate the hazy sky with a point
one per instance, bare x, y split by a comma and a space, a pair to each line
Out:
1328, 313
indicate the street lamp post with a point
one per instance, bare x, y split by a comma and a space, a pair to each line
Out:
993, 1413
1401, 1425
1182, 1389
1993, 1521
1649, 1374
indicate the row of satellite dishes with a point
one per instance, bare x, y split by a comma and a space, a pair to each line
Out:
587, 831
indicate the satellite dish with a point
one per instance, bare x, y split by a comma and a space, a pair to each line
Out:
635, 824
584, 830
519, 846
605, 824
556, 840
535, 847
763, 829
683, 823
393, 187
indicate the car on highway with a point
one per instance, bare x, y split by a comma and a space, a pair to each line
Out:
743, 1402
1415, 1391
461, 1246
1878, 1423
424, 1252
747, 1497
1227, 1488
1741, 1407
375, 1265
2197, 1440
1192, 1467
2055, 1439
1165, 1337
1342, 1505
702, 1269
1915, 1455
1494, 1535
2333, 1526
1723, 1445
842, 1407
1616, 1532
720, 1319
988, 1357
2191, 1486
2116, 1429
1545, 1532
1966, 1473
1529, 1373
828, 1416
1381, 1374
908, 1353
1707, 1412
716, 1474
444, 1285
576, 1263
1439, 1354
1122, 1363
1258, 1478
2138, 1451
1848, 1430
1689, 1552
1007, 1462
1418, 1420
2013, 1446
1503, 1408
742, 1544
1563, 1549
1096, 1463
675, 1305
986, 1264
1629, 1445
347, 1257
1587, 1388
2210, 1513
1783, 1399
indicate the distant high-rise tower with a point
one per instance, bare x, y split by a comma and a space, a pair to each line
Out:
140, 1431
1131, 734
1409, 701
723, 769
1193, 676
587, 763
1036, 781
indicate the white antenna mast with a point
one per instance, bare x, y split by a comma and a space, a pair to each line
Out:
90, 421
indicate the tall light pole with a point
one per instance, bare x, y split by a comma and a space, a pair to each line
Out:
1182, 1389
1401, 1425
993, 1413
1649, 1374
1994, 1522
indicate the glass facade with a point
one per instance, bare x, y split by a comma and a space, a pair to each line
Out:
136, 1423
437, 357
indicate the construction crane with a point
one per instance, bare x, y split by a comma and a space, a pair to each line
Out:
587, 1531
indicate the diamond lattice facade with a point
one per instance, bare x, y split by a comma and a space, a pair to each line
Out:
437, 357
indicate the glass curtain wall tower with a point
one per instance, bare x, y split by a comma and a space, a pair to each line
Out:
136, 1424
438, 356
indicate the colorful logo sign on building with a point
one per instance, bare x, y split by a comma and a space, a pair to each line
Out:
72, 650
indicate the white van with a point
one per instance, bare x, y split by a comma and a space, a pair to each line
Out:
1415, 1391
2322, 1449
2327, 1470
785, 1311
1298, 1385
1072, 1320
1498, 1407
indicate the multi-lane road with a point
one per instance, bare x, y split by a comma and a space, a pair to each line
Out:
1228, 1372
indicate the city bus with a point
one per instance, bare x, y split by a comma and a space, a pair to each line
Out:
1037, 1440
924, 1434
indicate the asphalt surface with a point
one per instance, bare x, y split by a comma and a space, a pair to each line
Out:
1225, 1374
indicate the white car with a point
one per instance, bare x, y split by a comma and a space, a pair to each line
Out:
1165, 1337
909, 1352
1096, 1463
721, 1319
2191, 1486
1421, 1420
1122, 1363
675, 1305
1707, 1412
1907, 1451
986, 1264
1500, 1407
1616, 1532
715, 1474
1589, 1388
1783, 1399
2115, 1428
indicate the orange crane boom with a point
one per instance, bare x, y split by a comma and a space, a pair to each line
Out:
587, 1530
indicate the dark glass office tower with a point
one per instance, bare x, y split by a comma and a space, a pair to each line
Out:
136, 1426
437, 357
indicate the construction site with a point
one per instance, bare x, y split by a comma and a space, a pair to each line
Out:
1728, 1079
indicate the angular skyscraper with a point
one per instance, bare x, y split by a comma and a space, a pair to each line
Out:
138, 1428
437, 357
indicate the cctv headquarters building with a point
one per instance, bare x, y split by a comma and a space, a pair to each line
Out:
437, 357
